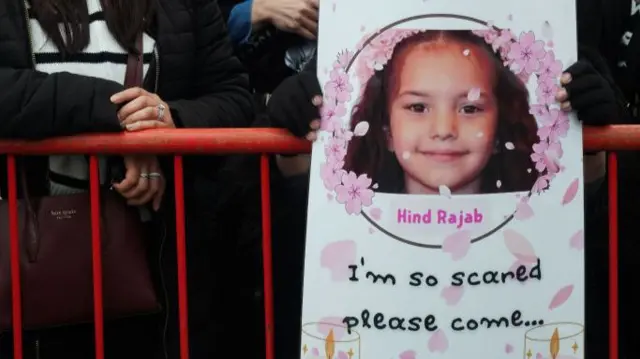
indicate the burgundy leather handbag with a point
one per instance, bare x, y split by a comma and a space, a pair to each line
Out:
55, 254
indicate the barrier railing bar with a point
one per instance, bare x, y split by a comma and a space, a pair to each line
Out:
14, 253
247, 140
267, 259
612, 173
96, 255
181, 249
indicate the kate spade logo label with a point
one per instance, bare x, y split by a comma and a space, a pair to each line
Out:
63, 213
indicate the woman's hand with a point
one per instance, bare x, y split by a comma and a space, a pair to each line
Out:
142, 110
143, 182
587, 92
295, 105
296, 16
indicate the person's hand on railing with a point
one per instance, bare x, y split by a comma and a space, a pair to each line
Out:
143, 182
141, 110
295, 105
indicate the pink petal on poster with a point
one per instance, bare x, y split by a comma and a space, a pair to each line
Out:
457, 244
561, 297
519, 246
438, 342
508, 348
577, 240
452, 294
523, 211
375, 213
337, 257
408, 354
570, 193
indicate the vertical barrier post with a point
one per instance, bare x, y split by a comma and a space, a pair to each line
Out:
267, 259
181, 249
96, 255
612, 173
14, 244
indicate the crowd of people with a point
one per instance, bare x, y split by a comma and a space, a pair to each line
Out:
242, 63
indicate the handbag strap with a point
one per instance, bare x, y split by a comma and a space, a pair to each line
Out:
133, 76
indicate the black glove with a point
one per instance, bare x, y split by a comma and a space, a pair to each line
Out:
291, 104
591, 95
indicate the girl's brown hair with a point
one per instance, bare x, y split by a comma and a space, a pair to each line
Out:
513, 168
125, 20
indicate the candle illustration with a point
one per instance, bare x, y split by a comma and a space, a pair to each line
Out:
555, 341
329, 339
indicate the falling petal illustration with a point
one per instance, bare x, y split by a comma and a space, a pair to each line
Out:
457, 244
509, 145
371, 230
554, 345
444, 191
498, 184
519, 246
452, 294
329, 197
508, 348
473, 94
547, 31
329, 345
438, 342
361, 128
466, 52
333, 8
510, 17
523, 211
315, 352
577, 240
561, 297
408, 354
571, 192
406, 155
375, 213
336, 257
343, 355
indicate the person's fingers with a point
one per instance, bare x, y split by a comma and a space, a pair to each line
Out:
133, 106
131, 178
311, 136
310, 25
311, 12
314, 3
302, 31
566, 106
562, 95
128, 95
144, 114
146, 125
317, 101
141, 187
314, 125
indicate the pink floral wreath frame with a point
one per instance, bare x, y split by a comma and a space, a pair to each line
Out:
525, 55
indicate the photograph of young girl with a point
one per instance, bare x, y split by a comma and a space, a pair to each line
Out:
444, 111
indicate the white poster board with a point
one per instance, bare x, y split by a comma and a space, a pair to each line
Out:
446, 209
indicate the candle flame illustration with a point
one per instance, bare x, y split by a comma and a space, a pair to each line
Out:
554, 346
330, 345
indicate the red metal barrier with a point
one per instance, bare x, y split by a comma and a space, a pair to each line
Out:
224, 141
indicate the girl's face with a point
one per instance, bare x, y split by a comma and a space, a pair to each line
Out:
443, 116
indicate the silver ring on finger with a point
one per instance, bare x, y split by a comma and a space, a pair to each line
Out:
155, 175
161, 108
144, 175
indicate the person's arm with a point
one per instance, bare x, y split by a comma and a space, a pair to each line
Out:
36, 105
220, 93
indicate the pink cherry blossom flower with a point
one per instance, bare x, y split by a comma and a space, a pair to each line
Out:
545, 156
331, 173
335, 149
354, 192
546, 90
555, 126
526, 52
331, 115
539, 111
549, 66
338, 87
503, 42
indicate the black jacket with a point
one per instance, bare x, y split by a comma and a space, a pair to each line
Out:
204, 84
